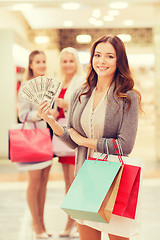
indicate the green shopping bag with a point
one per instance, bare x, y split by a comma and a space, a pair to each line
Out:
93, 192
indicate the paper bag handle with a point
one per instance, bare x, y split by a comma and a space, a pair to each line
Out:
106, 157
26, 120
116, 147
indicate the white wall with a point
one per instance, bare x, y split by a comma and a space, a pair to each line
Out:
157, 80
7, 88
15, 21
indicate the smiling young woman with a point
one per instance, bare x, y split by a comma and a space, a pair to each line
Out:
103, 109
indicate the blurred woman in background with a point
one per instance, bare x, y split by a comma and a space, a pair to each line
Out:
37, 172
71, 75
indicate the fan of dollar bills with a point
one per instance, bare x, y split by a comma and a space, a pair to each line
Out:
39, 89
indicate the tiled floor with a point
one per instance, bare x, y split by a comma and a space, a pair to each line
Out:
15, 217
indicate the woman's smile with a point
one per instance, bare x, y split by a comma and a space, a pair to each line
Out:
102, 68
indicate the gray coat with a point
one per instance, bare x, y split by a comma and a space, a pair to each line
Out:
120, 124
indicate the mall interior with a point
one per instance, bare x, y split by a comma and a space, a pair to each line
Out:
50, 26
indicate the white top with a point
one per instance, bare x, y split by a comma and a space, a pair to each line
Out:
93, 121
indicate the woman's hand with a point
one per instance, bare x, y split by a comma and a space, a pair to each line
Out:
53, 112
44, 111
83, 141
76, 137
45, 114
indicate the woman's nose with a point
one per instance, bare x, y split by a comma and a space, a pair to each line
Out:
102, 59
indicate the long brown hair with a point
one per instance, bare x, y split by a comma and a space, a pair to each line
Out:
29, 72
122, 78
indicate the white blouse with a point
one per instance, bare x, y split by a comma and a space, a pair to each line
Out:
92, 121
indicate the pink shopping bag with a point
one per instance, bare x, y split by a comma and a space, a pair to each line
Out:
127, 196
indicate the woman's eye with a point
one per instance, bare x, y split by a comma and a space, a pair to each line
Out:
97, 55
110, 56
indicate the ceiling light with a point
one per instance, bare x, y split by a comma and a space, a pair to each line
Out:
99, 23
113, 12
42, 39
22, 6
108, 18
68, 23
128, 22
125, 37
83, 38
118, 5
96, 22
71, 6
96, 13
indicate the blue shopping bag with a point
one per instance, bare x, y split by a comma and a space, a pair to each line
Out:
93, 192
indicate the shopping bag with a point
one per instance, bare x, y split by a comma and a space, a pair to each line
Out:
30, 145
93, 192
127, 196
59, 148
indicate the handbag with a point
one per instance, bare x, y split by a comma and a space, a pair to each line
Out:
30, 145
127, 196
93, 192
59, 148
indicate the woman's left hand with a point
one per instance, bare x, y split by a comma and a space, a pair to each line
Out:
76, 137
44, 111
83, 141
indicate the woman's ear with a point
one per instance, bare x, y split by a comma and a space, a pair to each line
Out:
30, 65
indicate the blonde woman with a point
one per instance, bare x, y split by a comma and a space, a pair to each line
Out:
38, 172
71, 74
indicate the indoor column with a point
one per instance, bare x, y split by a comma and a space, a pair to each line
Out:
7, 88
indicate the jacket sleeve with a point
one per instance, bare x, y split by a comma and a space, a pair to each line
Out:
24, 108
127, 130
